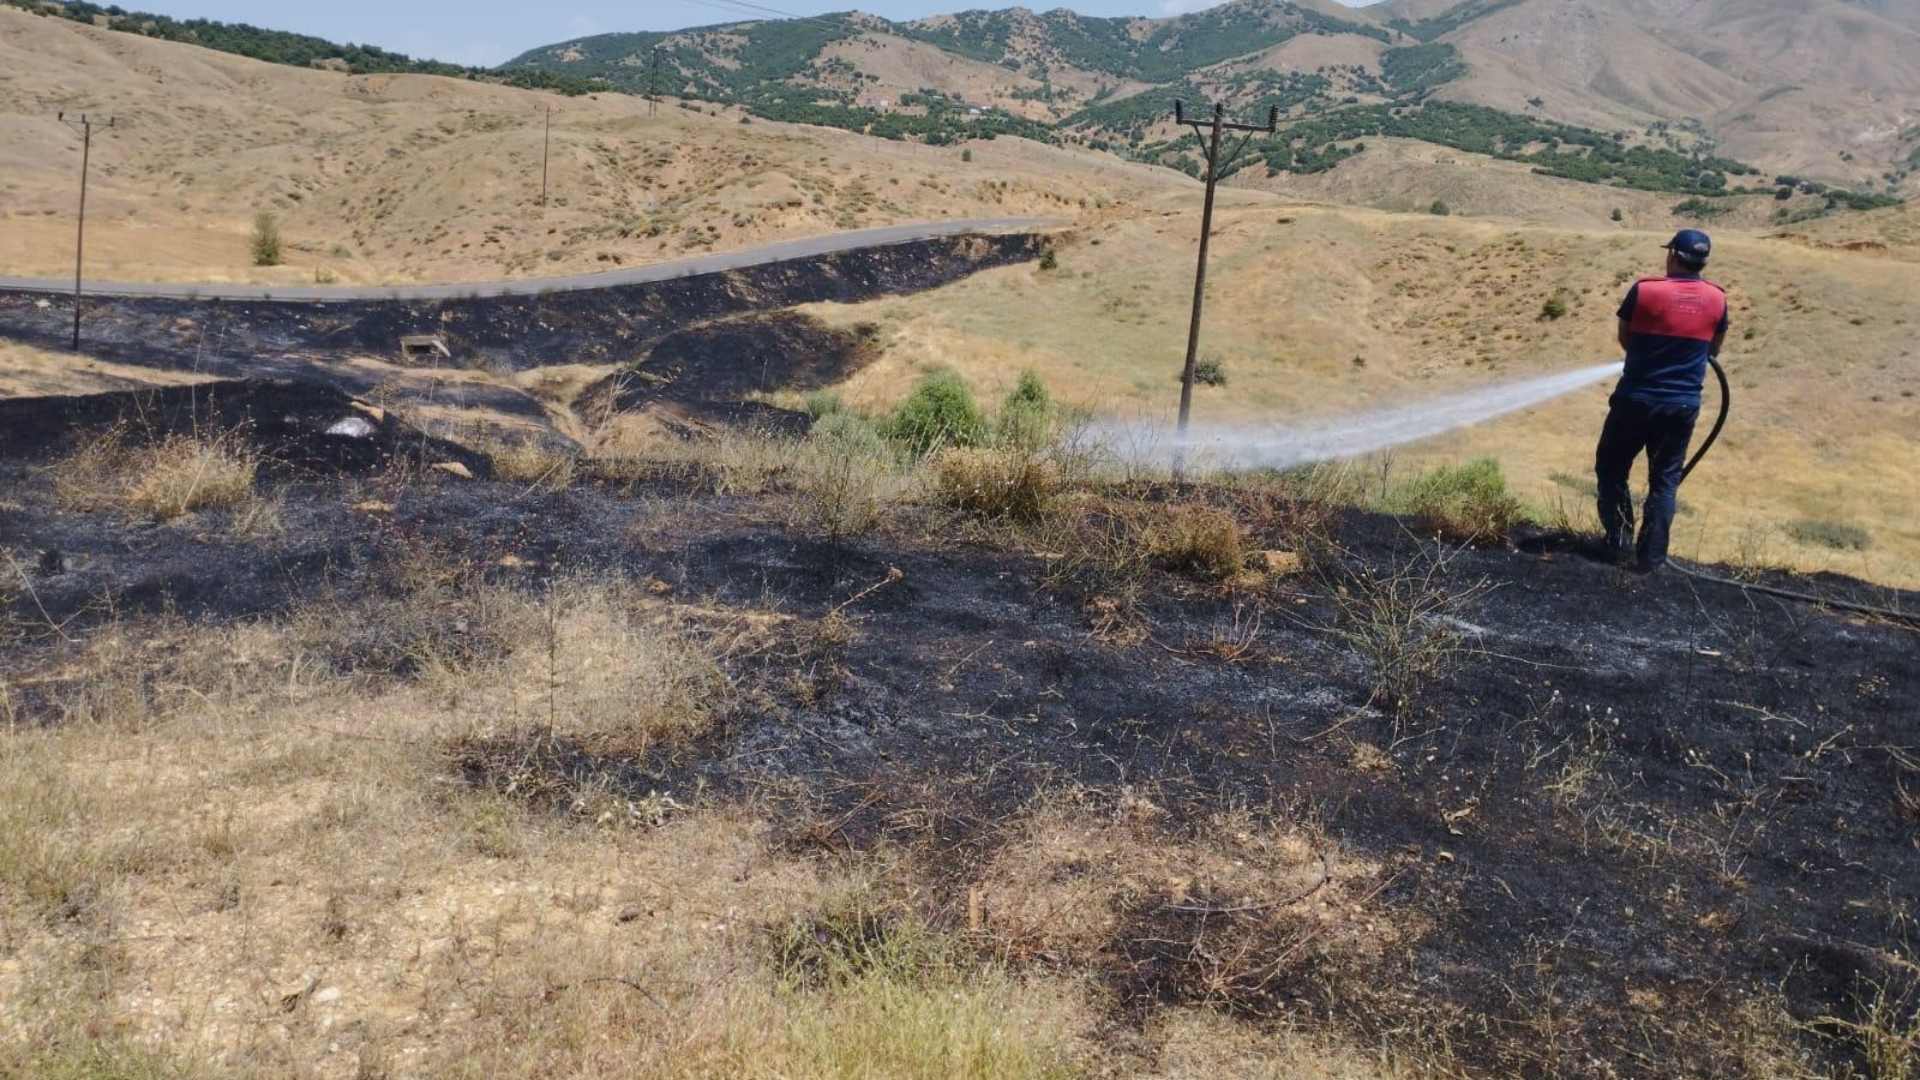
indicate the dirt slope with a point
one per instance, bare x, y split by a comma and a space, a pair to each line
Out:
1791, 85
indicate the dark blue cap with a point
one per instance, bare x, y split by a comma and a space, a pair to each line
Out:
1692, 245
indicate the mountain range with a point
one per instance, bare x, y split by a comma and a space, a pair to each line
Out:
1660, 94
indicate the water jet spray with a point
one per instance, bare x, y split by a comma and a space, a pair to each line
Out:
1346, 436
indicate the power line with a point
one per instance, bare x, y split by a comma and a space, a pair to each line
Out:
736, 7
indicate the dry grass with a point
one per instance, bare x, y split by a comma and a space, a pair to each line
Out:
1886, 1030
843, 488
163, 480
537, 464
1005, 482
248, 852
280, 879
1199, 541
731, 461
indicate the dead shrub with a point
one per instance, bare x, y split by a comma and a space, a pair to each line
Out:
1009, 483
840, 489
1198, 541
1398, 618
1091, 550
162, 480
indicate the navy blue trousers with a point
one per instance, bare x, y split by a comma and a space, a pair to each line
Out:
1663, 431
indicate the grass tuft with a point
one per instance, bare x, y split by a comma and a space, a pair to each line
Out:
1838, 535
536, 464
994, 483
164, 480
1467, 502
1198, 541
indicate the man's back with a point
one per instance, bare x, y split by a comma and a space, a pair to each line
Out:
1672, 323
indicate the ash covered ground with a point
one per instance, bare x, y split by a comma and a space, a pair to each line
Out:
1642, 800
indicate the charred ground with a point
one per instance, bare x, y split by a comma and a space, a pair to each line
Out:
1618, 818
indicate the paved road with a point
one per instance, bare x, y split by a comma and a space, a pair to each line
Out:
697, 264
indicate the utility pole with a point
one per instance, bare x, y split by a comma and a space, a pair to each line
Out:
85, 127
653, 85
1211, 142
546, 147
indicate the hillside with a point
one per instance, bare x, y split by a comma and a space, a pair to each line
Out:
394, 178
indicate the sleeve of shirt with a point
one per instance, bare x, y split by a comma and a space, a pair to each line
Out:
1626, 306
1725, 321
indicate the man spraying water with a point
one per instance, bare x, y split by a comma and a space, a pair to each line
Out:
1669, 326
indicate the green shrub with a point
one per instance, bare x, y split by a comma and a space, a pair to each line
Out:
265, 241
966, 155
1210, 371
822, 403
940, 412
1463, 502
1439, 209
1617, 215
1555, 307
849, 432
1049, 260
1699, 208
1026, 416
1838, 535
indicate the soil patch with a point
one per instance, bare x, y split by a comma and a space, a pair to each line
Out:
703, 376
296, 425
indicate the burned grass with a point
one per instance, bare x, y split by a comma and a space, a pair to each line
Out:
895, 787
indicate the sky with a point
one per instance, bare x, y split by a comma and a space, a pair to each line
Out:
487, 32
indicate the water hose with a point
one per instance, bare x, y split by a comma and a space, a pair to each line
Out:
1908, 619
1726, 401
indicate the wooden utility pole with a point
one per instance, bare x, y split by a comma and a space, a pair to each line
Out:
84, 126
1208, 131
546, 148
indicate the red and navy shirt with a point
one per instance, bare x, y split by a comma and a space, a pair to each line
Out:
1671, 323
